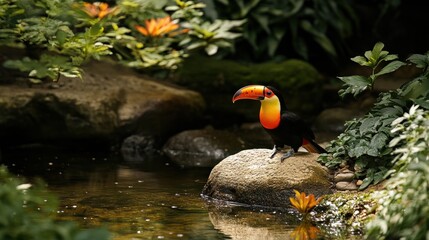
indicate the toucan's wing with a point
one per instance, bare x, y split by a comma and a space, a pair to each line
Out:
297, 125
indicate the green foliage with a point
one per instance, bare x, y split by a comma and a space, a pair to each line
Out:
289, 27
60, 36
404, 212
211, 36
47, 66
27, 213
418, 88
357, 84
364, 143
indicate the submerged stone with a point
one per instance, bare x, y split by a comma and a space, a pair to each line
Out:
252, 177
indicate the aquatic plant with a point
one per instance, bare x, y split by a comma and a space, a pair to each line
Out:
304, 203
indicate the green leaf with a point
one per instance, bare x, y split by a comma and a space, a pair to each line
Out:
422, 102
368, 180
354, 84
211, 49
356, 80
369, 125
376, 51
391, 111
391, 67
379, 141
361, 61
390, 57
96, 29
319, 37
421, 61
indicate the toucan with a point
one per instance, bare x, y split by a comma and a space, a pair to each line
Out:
284, 127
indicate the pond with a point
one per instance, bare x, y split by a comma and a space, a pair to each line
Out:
150, 199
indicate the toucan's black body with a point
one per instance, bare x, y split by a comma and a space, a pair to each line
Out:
291, 131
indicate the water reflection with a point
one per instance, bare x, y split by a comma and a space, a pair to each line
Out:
138, 200
306, 231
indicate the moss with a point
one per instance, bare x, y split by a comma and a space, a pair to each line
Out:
207, 74
351, 209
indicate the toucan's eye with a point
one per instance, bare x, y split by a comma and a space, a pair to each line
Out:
269, 93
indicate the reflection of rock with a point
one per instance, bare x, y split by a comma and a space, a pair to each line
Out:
251, 177
111, 101
248, 225
139, 147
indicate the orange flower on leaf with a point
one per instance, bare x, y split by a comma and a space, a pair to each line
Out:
303, 203
98, 9
158, 27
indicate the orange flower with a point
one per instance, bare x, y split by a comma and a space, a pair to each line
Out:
158, 27
305, 231
98, 9
304, 203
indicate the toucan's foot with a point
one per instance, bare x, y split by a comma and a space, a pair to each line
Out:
274, 152
288, 154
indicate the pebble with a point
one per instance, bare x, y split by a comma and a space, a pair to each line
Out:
343, 186
344, 177
359, 182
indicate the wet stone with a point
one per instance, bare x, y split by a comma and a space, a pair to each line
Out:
202, 148
252, 177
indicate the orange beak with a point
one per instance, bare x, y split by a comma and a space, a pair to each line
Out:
253, 92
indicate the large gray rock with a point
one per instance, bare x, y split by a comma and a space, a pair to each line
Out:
202, 148
207, 147
333, 119
252, 177
110, 102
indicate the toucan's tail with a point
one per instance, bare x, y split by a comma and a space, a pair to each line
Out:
312, 146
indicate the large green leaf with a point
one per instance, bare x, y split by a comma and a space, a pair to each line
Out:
420, 60
391, 67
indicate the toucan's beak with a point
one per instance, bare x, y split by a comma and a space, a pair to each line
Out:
254, 92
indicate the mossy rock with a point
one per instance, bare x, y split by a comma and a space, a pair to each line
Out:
299, 81
207, 74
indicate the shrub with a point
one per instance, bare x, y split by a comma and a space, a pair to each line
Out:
60, 36
364, 143
289, 28
404, 212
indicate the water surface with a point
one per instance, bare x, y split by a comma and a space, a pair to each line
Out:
147, 199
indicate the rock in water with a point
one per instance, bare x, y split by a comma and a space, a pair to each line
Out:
252, 177
202, 148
